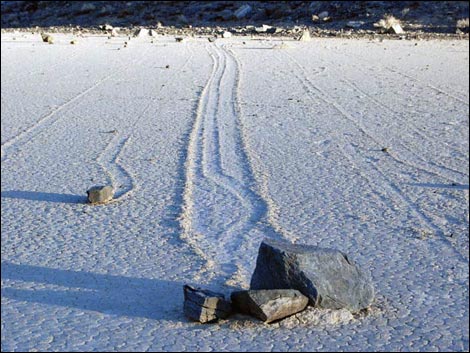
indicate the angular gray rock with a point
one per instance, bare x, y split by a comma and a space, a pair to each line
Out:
106, 27
326, 276
100, 194
204, 305
269, 305
262, 29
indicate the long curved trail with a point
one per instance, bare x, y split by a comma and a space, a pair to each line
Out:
118, 175
222, 207
352, 153
45, 122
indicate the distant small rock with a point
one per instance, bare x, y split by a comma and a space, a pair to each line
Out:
396, 29
141, 33
226, 34
100, 194
179, 39
305, 37
106, 27
315, 18
390, 24
73, 42
47, 38
262, 29
204, 305
462, 26
211, 39
269, 305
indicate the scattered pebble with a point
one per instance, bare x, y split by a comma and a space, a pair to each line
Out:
47, 38
100, 194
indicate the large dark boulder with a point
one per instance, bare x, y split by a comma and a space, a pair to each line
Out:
326, 276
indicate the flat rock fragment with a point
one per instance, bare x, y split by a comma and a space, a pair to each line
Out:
269, 305
204, 305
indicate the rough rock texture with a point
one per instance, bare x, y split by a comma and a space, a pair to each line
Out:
100, 194
204, 305
326, 276
440, 16
269, 305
